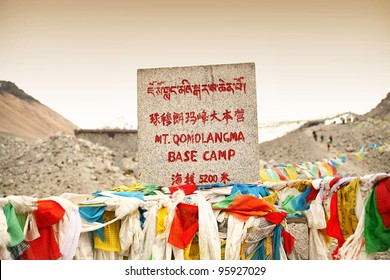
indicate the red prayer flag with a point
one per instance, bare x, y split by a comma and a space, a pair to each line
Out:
184, 225
187, 189
288, 241
383, 200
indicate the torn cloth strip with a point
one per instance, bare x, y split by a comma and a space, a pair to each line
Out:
184, 226
377, 236
45, 247
383, 200
94, 214
187, 189
245, 206
346, 205
333, 228
288, 241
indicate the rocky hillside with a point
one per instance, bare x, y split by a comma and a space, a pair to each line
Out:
299, 146
22, 115
57, 164
381, 111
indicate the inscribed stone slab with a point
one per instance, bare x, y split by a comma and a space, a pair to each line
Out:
198, 125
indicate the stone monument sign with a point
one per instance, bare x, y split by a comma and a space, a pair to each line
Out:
198, 125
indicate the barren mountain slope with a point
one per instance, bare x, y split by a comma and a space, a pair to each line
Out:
23, 116
382, 110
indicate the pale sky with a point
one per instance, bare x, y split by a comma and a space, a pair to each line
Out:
314, 58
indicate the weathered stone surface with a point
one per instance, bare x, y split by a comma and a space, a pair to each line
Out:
298, 228
180, 111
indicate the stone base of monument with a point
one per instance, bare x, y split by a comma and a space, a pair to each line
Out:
297, 226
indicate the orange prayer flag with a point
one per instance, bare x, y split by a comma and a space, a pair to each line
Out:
245, 206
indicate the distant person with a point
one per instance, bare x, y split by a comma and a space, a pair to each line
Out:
322, 138
315, 136
328, 146
330, 139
